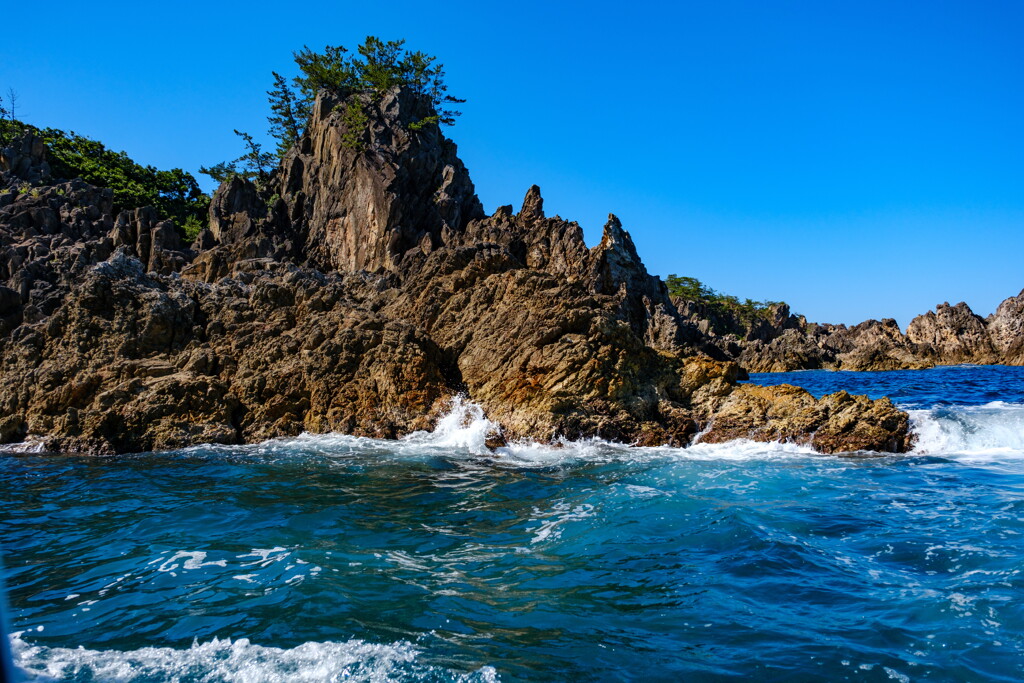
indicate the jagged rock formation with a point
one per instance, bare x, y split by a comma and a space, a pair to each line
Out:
359, 292
363, 207
778, 341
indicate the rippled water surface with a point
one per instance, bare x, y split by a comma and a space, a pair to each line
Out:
428, 559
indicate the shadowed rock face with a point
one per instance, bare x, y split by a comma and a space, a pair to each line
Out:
781, 342
360, 292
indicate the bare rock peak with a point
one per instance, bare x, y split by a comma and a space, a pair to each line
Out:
533, 205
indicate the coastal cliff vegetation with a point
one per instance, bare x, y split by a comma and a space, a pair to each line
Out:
174, 193
692, 289
374, 68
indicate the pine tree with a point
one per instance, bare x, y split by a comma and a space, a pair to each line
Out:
225, 170
255, 162
379, 66
289, 113
253, 165
330, 69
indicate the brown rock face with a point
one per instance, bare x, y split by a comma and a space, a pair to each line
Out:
836, 423
953, 333
1006, 330
359, 292
26, 159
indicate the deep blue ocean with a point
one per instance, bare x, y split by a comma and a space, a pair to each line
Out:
334, 558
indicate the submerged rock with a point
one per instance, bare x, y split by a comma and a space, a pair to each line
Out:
359, 292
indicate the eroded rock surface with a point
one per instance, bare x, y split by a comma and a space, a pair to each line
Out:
360, 291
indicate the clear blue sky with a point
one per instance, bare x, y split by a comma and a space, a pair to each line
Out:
857, 159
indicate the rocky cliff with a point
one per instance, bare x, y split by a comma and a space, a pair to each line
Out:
777, 341
359, 291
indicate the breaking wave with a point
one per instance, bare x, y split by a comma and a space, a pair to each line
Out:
464, 430
991, 429
464, 427
235, 661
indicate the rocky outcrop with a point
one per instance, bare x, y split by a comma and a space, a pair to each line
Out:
359, 291
1006, 330
155, 242
837, 422
360, 199
777, 341
25, 160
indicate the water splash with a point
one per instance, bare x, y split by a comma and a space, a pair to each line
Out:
465, 427
576, 560
996, 428
464, 430
991, 429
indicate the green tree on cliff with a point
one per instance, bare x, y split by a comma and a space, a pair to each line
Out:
289, 113
174, 193
692, 289
253, 165
377, 66
331, 69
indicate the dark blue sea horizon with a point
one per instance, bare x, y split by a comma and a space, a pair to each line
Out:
429, 559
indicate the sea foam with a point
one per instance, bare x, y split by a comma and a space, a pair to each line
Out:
462, 432
235, 661
996, 428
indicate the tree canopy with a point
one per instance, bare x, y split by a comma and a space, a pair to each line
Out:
375, 66
692, 289
254, 164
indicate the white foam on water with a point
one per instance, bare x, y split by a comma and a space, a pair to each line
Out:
553, 521
235, 661
32, 444
994, 430
265, 556
528, 453
193, 559
465, 428
746, 449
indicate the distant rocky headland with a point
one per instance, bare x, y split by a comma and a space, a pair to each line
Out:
360, 287
774, 340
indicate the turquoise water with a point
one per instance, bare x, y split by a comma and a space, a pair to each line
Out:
427, 559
